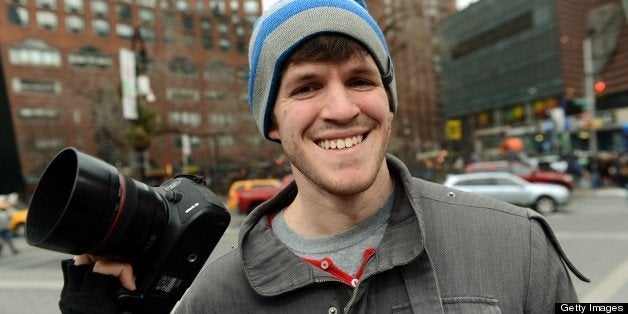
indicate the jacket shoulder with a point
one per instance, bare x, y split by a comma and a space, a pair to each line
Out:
430, 193
220, 283
485, 215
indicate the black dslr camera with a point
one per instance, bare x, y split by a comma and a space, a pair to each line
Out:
84, 205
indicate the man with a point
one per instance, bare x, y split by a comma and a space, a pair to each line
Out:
355, 232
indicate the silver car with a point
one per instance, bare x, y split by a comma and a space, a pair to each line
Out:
542, 197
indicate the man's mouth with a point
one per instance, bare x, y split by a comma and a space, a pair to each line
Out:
341, 143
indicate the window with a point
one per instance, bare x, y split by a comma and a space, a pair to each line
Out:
504, 181
217, 7
219, 118
17, 16
239, 31
189, 40
181, 5
182, 65
208, 42
47, 20
187, 21
251, 7
225, 45
468, 182
218, 71
100, 8
38, 113
184, 118
147, 3
74, 6
217, 95
206, 25
49, 143
223, 28
124, 31
75, 24
38, 86
47, 4
147, 16
148, 34
242, 47
124, 11
100, 27
234, 5
89, 56
34, 52
182, 94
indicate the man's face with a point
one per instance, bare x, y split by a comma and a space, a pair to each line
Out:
334, 123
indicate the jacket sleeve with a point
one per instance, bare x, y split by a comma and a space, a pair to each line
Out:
87, 292
549, 280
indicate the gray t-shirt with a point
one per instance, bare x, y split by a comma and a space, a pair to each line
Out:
345, 249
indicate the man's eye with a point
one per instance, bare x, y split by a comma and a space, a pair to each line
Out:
303, 90
361, 83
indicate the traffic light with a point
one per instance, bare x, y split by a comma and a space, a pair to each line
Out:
599, 87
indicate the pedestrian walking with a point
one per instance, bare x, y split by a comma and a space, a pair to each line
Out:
5, 233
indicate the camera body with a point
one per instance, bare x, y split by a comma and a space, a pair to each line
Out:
84, 205
168, 263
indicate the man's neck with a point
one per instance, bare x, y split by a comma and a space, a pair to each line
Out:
315, 213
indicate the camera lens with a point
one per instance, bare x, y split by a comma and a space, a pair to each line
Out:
84, 205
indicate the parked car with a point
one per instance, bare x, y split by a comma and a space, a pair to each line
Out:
523, 170
542, 197
18, 213
240, 199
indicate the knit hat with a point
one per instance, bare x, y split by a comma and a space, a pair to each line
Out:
287, 24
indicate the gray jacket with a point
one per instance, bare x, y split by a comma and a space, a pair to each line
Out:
443, 251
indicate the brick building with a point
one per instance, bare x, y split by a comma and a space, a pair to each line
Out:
411, 28
61, 66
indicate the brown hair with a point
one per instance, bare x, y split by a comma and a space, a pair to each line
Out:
328, 48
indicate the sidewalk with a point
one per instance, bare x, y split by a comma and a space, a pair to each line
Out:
31, 281
610, 191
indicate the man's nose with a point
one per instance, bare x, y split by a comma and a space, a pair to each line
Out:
339, 104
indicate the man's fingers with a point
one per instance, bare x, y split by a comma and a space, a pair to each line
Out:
123, 271
84, 259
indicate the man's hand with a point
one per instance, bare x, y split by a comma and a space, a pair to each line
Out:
105, 266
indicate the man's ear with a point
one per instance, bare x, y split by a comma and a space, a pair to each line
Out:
274, 134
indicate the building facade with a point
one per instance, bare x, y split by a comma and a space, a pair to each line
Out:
411, 28
62, 68
516, 69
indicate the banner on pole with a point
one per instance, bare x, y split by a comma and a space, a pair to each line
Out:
129, 85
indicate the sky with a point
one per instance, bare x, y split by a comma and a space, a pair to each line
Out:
460, 4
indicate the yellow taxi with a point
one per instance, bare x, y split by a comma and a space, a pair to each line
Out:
18, 212
241, 185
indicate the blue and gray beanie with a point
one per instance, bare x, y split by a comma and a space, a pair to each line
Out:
283, 27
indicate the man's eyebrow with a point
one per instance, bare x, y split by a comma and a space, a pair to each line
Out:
364, 69
302, 77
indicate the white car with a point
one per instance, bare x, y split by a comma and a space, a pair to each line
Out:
542, 197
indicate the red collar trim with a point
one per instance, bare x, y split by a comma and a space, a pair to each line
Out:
326, 264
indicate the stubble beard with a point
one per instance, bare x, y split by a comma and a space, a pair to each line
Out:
302, 162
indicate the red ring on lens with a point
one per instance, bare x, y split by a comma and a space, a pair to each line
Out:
118, 213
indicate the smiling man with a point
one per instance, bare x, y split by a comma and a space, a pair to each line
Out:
355, 232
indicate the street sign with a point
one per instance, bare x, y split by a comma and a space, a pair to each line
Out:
453, 129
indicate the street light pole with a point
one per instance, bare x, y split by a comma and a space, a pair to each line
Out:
589, 93
143, 127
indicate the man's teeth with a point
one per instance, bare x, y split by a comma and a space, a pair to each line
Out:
340, 143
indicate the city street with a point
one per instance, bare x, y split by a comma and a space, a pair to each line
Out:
593, 230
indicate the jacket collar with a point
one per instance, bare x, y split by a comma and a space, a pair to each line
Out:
273, 269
